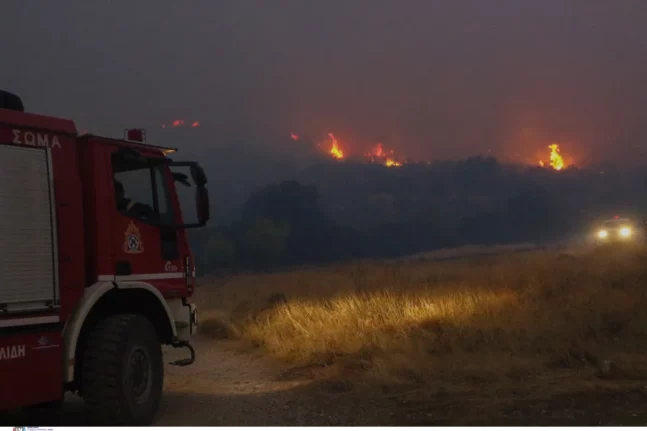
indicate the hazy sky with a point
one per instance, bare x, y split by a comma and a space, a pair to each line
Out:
431, 78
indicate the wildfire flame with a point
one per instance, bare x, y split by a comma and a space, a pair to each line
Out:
335, 151
556, 160
379, 154
378, 151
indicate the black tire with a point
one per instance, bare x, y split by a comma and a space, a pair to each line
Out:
122, 373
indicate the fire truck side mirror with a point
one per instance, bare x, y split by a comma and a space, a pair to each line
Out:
199, 177
202, 204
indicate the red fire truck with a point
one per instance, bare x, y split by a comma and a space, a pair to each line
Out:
95, 266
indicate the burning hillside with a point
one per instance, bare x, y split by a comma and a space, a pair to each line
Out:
331, 146
379, 154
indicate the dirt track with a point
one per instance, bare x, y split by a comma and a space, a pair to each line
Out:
223, 387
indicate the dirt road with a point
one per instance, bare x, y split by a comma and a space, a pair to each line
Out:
223, 387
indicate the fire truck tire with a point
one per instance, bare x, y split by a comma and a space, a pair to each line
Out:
122, 371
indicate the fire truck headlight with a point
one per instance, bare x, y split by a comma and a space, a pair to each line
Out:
625, 232
603, 234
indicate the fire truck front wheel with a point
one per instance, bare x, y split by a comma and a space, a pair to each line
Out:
122, 371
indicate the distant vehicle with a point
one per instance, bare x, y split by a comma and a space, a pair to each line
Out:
620, 229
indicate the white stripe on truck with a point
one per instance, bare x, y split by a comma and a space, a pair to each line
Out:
22, 321
142, 277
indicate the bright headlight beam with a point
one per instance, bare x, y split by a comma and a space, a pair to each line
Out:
603, 234
625, 231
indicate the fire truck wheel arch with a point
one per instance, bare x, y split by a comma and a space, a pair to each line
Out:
91, 298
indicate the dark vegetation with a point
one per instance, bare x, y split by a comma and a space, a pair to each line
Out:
339, 210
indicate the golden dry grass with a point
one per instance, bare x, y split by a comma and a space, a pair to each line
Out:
539, 318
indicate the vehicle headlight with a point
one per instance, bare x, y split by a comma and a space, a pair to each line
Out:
625, 231
603, 234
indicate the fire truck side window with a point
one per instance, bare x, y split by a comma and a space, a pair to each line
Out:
140, 189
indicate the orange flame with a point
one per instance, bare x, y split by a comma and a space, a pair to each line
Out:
379, 153
335, 151
556, 160
195, 124
178, 123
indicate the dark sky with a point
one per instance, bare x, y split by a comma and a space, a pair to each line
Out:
431, 78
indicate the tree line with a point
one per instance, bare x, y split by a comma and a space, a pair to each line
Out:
336, 212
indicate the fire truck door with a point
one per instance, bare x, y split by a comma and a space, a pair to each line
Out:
144, 249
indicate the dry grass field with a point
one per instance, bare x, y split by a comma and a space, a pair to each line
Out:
483, 332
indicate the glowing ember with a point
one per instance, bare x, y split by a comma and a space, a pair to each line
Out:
335, 151
390, 162
181, 123
294, 136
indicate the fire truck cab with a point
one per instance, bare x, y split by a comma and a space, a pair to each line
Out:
95, 267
